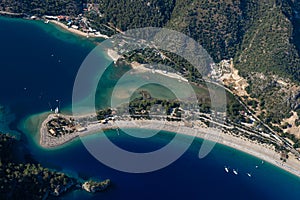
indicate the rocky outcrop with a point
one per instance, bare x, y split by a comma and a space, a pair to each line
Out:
94, 186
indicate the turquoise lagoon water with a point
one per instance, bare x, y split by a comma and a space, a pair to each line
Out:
38, 65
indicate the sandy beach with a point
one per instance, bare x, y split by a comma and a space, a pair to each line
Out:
77, 32
262, 151
140, 68
113, 55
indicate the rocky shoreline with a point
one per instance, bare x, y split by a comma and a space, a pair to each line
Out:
90, 186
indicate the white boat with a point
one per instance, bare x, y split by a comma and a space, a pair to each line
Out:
249, 174
235, 172
226, 169
56, 110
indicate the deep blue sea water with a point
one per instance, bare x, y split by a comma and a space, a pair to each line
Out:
38, 64
36, 67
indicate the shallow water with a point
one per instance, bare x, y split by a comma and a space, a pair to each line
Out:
38, 67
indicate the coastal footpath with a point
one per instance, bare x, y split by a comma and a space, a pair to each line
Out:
263, 151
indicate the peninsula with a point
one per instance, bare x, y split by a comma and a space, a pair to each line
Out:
58, 129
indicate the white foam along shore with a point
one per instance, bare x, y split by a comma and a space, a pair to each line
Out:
78, 32
262, 151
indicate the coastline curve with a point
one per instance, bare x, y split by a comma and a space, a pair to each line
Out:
84, 88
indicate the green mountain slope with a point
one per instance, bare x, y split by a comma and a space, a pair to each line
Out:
257, 34
42, 7
267, 44
217, 24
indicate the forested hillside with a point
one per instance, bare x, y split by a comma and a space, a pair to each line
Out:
29, 180
132, 14
260, 35
42, 7
267, 44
